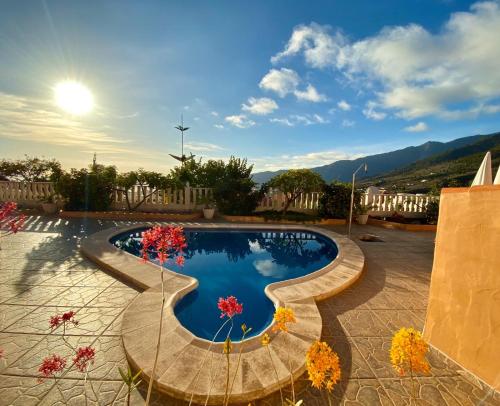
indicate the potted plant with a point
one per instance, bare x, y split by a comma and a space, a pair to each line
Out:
362, 213
208, 203
49, 204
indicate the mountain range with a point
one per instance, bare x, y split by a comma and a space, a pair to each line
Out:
411, 163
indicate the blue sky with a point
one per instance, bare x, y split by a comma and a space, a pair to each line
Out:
286, 84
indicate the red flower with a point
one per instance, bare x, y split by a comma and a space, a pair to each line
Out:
84, 356
55, 321
51, 365
17, 223
69, 316
165, 242
180, 260
229, 306
7, 209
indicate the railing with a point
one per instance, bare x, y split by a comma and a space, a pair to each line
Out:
407, 205
275, 200
147, 199
27, 194
30, 194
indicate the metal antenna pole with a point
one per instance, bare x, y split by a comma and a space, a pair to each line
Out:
352, 195
182, 138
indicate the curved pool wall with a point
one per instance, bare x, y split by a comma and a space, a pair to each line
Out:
183, 353
239, 263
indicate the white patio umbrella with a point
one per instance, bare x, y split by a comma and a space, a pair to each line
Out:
497, 178
483, 175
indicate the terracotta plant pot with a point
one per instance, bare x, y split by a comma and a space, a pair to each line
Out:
208, 213
362, 218
49, 208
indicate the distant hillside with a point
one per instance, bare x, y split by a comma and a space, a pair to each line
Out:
382, 163
455, 167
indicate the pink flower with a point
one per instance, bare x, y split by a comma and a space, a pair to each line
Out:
84, 356
51, 365
180, 260
165, 242
229, 306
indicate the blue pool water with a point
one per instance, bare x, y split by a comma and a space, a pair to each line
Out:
239, 263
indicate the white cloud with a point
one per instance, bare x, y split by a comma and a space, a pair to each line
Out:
348, 123
310, 94
262, 106
214, 113
414, 72
282, 82
320, 47
309, 160
240, 121
30, 119
343, 105
284, 121
202, 146
295, 119
370, 112
219, 126
417, 128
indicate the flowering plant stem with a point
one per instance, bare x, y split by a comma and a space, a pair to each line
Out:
205, 357
212, 381
158, 343
237, 366
291, 376
276, 373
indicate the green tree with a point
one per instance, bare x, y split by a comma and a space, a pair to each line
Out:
294, 182
144, 179
87, 189
31, 169
234, 191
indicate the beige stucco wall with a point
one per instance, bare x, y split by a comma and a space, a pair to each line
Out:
463, 316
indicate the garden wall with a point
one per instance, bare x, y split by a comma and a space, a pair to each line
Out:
463, 315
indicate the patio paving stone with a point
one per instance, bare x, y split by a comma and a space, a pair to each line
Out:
42, 273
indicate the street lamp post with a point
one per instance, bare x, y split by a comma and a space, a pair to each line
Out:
352, 195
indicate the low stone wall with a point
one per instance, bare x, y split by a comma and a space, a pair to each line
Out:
260, 219
463, 315
401, 226
131, 216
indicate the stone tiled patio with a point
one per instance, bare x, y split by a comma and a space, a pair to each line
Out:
43, 273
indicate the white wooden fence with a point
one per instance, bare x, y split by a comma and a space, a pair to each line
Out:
188, 198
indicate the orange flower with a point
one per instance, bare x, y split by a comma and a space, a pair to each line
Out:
408, 352
283, 316
322, 365
265, 340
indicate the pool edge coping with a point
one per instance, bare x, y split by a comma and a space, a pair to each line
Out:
299, 293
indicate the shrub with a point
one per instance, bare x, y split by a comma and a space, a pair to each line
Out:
87, 189
432, 212
336, 200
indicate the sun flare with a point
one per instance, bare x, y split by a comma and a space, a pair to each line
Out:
73, 97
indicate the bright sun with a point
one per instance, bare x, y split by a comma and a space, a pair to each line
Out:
73, 97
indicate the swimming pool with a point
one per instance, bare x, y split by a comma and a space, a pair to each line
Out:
239, 263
